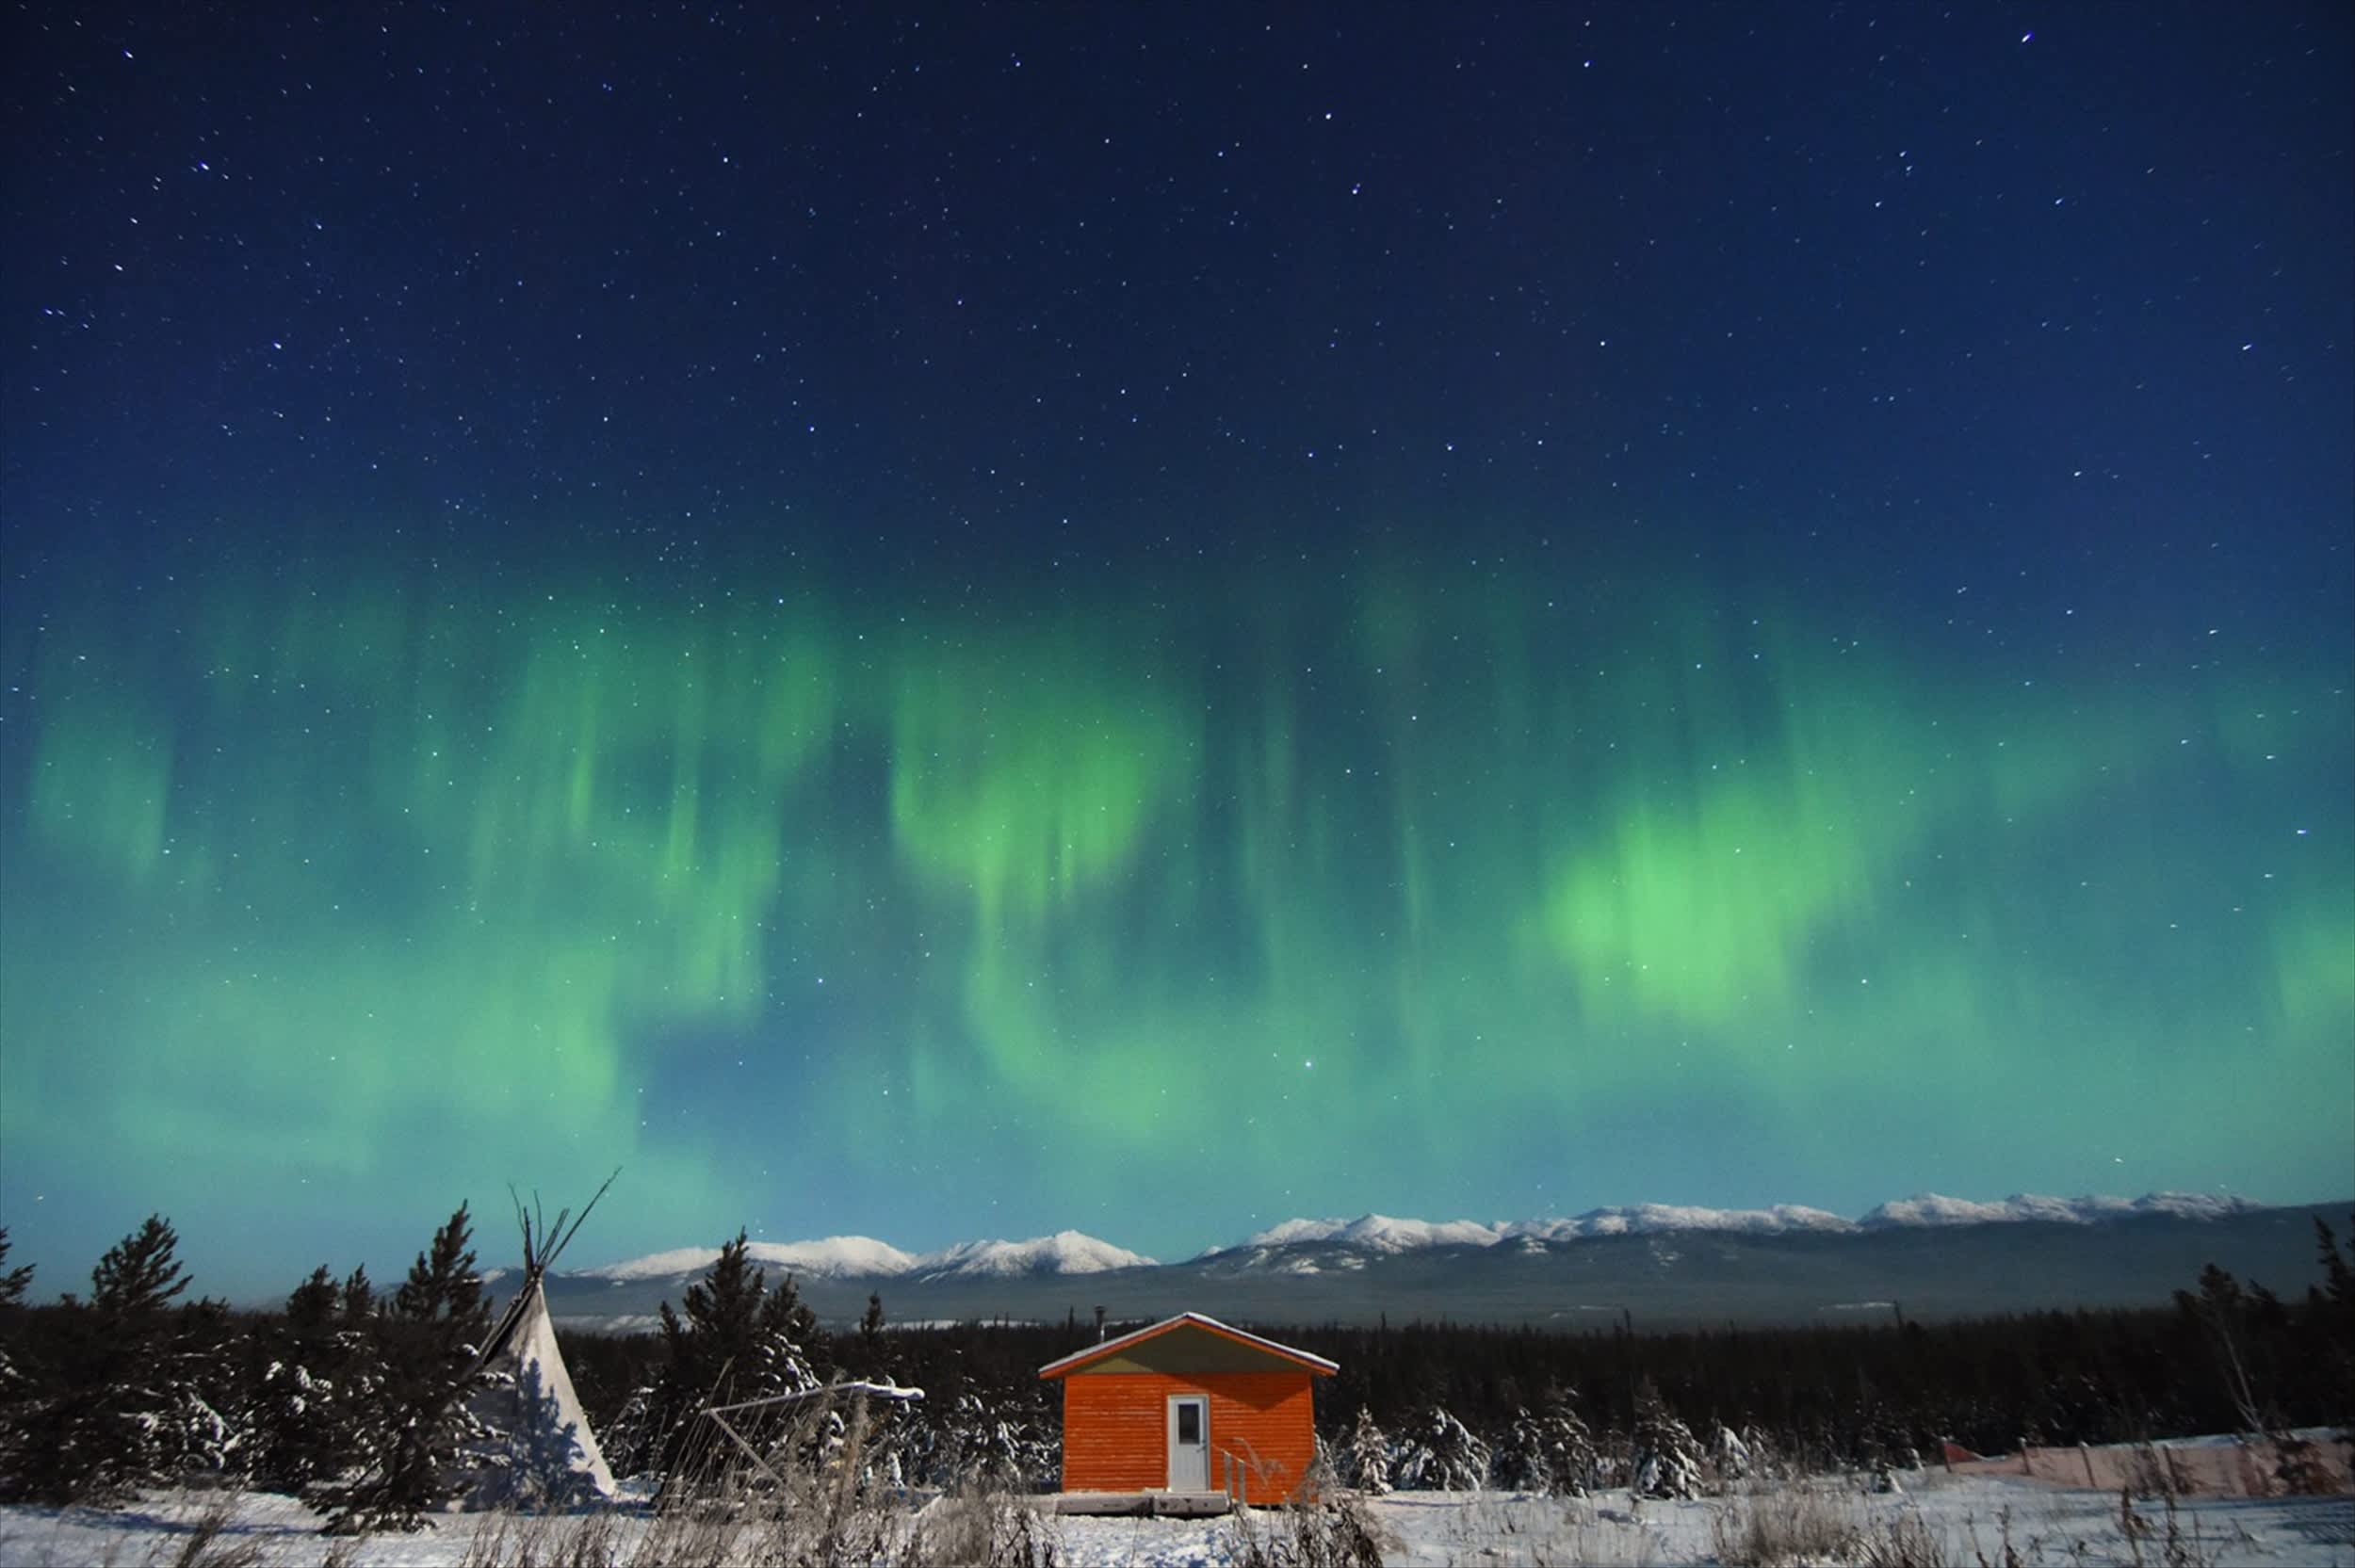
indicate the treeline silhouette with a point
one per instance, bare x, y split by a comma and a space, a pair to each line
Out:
131, 1385
1847, 1395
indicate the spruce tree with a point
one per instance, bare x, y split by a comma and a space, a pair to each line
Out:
16, 1381
734, 1339
307, 1410
871, 1357
1364, 1456
1548, 1452
1443, 1456
15, 1281
785, 1334
1667, 1462
426, 1344
126, 1401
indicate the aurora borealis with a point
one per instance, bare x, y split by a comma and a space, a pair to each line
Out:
958, 628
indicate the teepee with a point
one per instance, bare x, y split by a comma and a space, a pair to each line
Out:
537, 1450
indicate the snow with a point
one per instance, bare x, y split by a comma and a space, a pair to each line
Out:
1930, 1209
842, 1257
1064, 1252
1672, 1218
1380, 1234
1968, 1517
1375, 1233
834, 1257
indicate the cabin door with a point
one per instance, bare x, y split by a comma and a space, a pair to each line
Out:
1189, 1443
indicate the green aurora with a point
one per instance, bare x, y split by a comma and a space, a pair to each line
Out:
1313, 888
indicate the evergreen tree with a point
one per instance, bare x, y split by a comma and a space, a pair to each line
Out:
426, 1345
357, 1298
15, 1281
1550, 1453
1443, 1456
711, 1342
126, 1402
320, 1374
1665, 1461
976, 1443
785, 1336
2338, 1278
16, 1381
871, 1357
1731, 1454
1364, 1460
140, 1275
734, 1339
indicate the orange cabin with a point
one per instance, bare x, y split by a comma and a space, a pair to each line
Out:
1189, 1405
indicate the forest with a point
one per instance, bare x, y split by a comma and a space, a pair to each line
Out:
354, 1396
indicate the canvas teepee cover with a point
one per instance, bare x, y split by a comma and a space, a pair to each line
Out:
537, 1450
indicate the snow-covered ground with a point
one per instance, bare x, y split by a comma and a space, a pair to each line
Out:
1962, 1520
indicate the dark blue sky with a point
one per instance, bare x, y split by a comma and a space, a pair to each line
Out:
1034, 467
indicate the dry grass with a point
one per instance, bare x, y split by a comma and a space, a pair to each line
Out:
1787, 1525
209, 1545
1792, 1524
1335, 1532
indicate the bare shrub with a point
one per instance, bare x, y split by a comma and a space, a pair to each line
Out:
591, 1540
1334, 1530
790, 1485
2155, 1473
2171, 1541
209, 1545
1905, 1540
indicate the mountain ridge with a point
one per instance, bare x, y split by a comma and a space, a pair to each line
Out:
1938, 1260
1288, 1245
858, 1257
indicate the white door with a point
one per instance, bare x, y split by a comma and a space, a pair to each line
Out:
1189, 1443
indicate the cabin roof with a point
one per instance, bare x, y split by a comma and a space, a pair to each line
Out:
1080, 1360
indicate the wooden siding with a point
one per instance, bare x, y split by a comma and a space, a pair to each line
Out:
1115, 1433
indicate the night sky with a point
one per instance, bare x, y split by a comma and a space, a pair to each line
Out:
1154, 621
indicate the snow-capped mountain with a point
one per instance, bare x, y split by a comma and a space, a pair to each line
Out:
1378, 1234
1929, 1209
1312, 1246
1374, 1232
836, 1257
852, 1257
1064, 1252
1658, 1264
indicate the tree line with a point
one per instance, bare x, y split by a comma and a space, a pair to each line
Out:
355, 1397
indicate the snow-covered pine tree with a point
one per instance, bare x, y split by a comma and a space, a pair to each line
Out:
734, 1339
15, 1381
127, 1404
1364, 1458
425, 1346
306, 1419
976, 1446
629, 1440
784, 1332
1729, 1455
1442, 1455
1520, 1465
1667, 1462
1549, 1452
